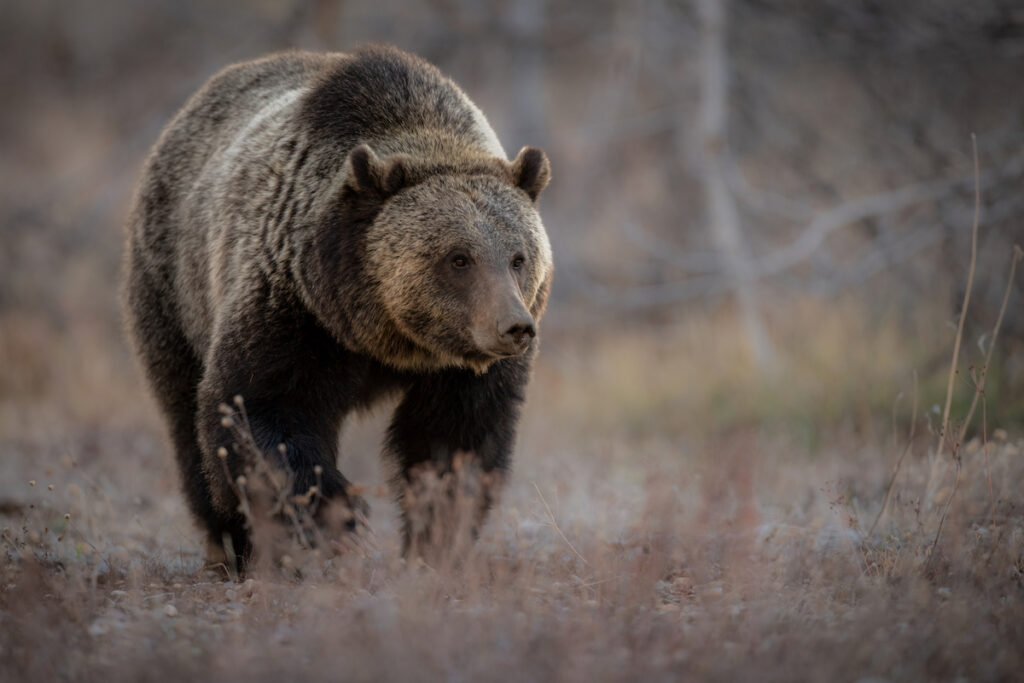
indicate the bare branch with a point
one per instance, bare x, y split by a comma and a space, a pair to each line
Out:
824, 224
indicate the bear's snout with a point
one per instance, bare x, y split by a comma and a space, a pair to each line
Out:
515, 330
503, 326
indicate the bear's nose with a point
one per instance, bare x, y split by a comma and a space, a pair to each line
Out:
518, 330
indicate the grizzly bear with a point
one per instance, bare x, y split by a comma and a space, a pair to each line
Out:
313, 233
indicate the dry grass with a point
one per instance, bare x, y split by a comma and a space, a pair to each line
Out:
631, 542
841, 366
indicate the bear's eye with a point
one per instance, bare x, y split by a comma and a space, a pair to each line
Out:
518, 262
460, 261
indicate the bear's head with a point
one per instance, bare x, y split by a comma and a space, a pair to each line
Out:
455, 263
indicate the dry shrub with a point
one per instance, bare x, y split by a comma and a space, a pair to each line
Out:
443, 509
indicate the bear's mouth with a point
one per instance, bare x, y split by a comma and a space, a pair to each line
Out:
489, 355
510, 349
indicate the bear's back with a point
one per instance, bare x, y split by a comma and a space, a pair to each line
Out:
380, 93
215, 115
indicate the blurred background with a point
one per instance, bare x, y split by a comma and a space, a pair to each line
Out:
761, 209
761, 214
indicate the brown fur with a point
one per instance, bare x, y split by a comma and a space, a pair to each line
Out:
298, 238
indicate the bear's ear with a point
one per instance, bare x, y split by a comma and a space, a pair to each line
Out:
370, 173
531, 171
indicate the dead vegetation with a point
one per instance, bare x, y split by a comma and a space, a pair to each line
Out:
618, 552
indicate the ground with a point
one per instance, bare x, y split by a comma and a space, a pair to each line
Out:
641, 536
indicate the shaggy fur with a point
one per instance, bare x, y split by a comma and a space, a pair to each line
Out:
315, 232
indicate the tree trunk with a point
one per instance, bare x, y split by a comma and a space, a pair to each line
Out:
721, 208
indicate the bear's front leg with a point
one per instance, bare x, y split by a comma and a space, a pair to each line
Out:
270, 408
452, 436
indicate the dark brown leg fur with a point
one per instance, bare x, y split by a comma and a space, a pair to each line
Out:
174, 375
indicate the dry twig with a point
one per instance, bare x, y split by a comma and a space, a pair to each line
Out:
956, 354
899, 462
555, 526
